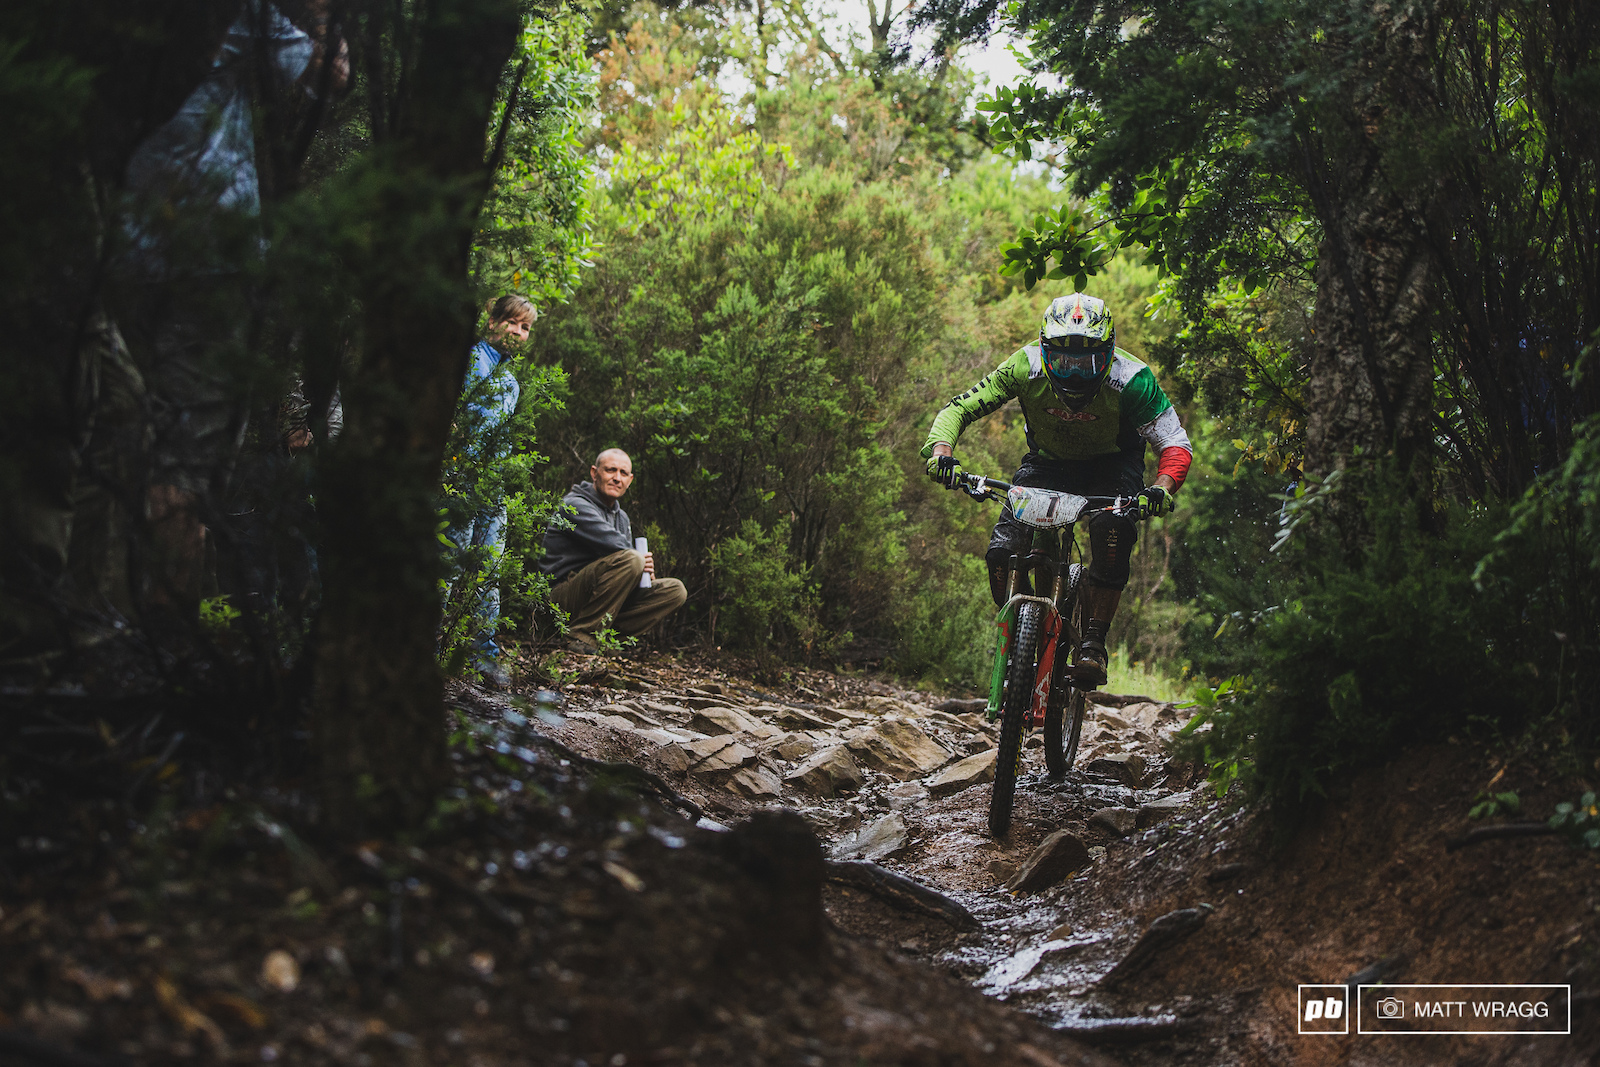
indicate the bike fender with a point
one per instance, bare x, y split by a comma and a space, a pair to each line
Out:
1005, 624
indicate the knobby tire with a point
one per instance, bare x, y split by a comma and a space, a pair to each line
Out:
1014, 715
1063, 721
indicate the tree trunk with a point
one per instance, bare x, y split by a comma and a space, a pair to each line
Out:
1369, 391
1371, 367
379, 728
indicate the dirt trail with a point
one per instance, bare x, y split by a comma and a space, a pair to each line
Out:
899, 778
566, 910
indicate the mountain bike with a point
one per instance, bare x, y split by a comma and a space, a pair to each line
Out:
1032, 684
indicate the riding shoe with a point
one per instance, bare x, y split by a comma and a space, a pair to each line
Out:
1089, 667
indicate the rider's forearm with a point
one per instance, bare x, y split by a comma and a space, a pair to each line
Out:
943, 448
1165, 481
1173, 465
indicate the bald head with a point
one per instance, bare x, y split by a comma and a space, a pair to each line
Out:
612, 473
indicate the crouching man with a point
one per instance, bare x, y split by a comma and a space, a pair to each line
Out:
593, 568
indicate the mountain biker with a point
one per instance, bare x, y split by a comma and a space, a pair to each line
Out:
1089, 409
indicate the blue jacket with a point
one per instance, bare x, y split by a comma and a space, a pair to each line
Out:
491, 396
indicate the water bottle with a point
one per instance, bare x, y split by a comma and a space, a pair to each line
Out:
641, 545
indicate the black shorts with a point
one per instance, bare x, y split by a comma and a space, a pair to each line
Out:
1110, 536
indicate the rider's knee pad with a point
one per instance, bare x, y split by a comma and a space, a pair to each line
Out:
1111, 539
999, 561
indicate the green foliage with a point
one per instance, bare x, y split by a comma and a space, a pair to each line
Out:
1579, 822
217, 616
1360, 657
1489, 805
1219, 708
610, 642
760, 593
534, 235
779, 311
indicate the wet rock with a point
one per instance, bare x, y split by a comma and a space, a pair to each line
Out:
1148, 713
896, 747
1111, 720
1162, 934
827, 773
889, 706
962, 707
943, 718
757, 783
1002, 871
1113, 700
631, 713
901, 892
1226, 872
975, 745
877, 840
699, 701
829, 822
1118, 821
1056, 857
978, 721
655, 736
907, 795
717, 720
793, 747
797, 719
974, 770
666, 712
1161, 810
1125, 767
716, 754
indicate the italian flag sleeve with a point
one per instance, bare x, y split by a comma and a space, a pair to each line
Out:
1148, 408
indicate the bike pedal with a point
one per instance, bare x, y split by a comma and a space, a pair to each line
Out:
1087, 676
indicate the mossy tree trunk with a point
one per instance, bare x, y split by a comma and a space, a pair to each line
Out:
1369, 390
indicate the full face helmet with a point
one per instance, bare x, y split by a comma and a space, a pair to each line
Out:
1077, 340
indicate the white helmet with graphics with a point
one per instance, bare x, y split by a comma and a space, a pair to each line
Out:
1076, 342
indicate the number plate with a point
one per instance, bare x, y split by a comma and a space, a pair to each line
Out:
1043, 508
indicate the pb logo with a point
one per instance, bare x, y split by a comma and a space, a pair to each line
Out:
1323, 1009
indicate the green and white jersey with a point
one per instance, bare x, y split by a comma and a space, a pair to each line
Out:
1129, 410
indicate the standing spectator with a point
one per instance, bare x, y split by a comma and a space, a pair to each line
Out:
488, 400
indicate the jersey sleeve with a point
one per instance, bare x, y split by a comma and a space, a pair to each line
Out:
989, 395
1171, 442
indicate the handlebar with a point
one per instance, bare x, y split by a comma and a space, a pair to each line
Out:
980, 488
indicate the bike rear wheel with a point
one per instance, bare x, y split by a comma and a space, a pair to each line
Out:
1014, 715
1061, 732
1064, 721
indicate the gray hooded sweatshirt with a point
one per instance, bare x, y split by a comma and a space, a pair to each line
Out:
599, 528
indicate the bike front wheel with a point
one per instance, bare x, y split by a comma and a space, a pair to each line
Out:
1014, 715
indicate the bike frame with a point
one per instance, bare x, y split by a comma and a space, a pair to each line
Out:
1045, 679
1030, 686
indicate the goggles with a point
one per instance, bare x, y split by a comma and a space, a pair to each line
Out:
1065, 362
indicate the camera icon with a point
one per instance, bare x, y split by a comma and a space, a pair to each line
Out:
1390, 1008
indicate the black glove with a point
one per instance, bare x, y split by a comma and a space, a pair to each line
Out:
1154, 502
945, 470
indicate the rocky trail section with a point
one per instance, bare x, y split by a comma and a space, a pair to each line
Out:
1128, 906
